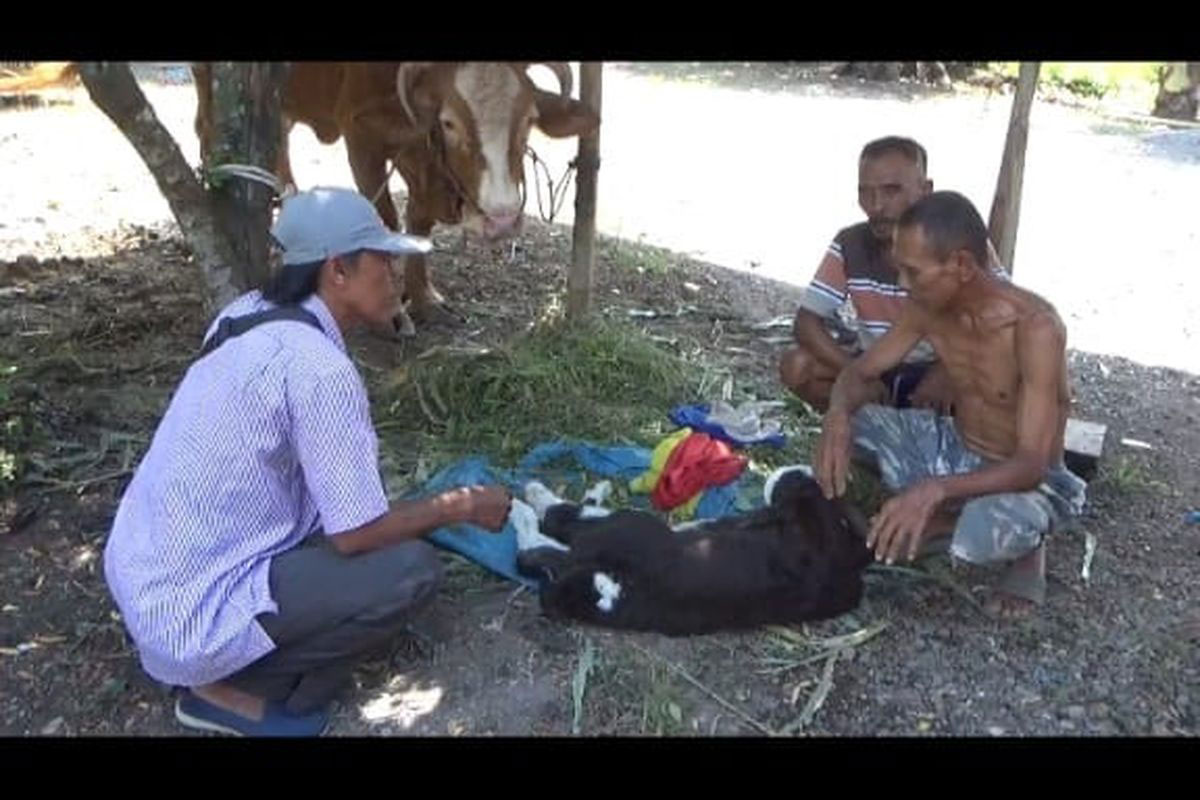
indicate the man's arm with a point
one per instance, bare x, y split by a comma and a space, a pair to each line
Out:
855, 384
809, 332
338, 453
824, 295
485, 506
854, 387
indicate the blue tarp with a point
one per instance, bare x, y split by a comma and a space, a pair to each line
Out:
557, 463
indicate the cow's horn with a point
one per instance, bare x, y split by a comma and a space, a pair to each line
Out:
562, 71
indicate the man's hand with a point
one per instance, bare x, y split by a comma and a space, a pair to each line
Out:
899, 526
833, 453
485, 506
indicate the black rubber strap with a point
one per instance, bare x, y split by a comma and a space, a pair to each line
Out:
229, 327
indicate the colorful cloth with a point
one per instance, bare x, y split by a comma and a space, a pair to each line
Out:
696, 463
645, 483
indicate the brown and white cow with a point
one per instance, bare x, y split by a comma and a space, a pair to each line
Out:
455, 131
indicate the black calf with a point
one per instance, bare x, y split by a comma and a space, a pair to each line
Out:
799, 559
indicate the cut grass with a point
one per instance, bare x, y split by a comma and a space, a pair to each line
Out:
602, 381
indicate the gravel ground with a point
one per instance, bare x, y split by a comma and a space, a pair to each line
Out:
743, 170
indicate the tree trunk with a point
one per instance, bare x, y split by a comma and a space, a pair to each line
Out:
1179, 92
1006, 205
227, 227
113, 89
246, 130
580, 278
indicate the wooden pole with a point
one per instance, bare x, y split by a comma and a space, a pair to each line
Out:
1006, 205
580, 279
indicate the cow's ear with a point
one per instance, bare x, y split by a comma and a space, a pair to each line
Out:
425, 100
560, 117
416, 85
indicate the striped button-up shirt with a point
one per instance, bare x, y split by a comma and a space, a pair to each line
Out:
266, 439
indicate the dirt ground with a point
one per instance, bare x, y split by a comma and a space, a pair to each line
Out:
100, 313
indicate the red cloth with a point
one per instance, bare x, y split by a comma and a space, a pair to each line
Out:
696, 463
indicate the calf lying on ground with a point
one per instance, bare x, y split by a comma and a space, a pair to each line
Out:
801, 558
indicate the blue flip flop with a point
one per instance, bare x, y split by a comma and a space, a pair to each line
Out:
196, 712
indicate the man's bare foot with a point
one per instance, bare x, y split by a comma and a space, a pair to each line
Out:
233, 700
1022, 588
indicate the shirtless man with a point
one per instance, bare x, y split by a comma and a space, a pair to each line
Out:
993, 475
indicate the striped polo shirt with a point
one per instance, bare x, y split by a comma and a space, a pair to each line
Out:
266, 439
856, 271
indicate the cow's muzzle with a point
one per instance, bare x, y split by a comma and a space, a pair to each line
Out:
496, 226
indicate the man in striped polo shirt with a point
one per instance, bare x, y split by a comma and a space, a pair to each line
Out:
858, 272
254, 556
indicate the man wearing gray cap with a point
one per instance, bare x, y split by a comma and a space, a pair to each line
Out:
254, 556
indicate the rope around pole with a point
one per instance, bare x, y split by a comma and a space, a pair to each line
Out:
251, 173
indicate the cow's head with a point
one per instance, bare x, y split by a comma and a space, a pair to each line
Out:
478, 117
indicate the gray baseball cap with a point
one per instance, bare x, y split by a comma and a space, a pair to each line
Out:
326, 221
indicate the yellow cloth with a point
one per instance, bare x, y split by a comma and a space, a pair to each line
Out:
645, 483
688, 509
